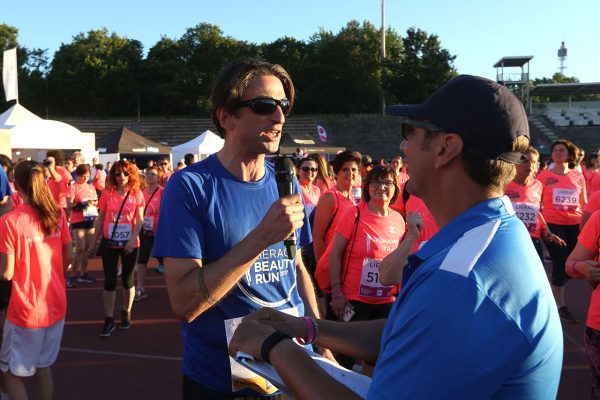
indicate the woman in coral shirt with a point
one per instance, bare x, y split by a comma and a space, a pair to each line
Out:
584, 263
120, 233
35, 250
563, 199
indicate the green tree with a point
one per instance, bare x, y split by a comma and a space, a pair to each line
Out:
423, 68
96, 74
205, 51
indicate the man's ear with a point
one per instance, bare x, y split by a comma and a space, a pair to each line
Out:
225, 119
448, 148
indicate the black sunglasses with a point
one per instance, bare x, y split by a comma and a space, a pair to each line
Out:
408, 124
119, 173
266, 105
306, 169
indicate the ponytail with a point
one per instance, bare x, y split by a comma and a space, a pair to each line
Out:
30, 179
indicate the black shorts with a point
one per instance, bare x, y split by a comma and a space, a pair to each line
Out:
83, 225
145, 251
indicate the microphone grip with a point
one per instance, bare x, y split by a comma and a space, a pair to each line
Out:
290, 246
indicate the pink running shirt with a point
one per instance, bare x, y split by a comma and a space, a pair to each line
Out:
110, 202
526, 201
59, 189
80, 192
152, 208
376, 237
590, 239
561, 197
38, 298
430, 227
593, 203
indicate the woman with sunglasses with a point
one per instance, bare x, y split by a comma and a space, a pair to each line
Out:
119, 223
364, 235
81, 202
563, 197
152, 197
307, 173
35, 250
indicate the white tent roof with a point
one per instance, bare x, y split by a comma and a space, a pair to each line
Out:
45, 134
16, 115
201, 146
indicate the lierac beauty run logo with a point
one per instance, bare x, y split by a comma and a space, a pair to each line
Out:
551, 181
271, 265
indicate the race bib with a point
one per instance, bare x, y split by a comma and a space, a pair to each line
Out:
369, 280
148, 225
528, 213
90, 213
121, 235
565, 199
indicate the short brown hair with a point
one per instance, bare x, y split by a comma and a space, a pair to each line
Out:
344, 157
571, 149
232, 81
493, 174
380, 171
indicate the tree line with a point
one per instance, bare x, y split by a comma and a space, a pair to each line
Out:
102, 74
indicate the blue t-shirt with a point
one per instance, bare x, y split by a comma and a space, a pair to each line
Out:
475, 318
5, 189
205, 211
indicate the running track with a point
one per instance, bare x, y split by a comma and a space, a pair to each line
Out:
145, 361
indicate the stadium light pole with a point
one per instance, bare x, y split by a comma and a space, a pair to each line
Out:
382, 57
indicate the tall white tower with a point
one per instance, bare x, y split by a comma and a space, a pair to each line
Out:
562, 58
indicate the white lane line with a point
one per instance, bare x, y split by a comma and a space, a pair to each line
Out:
116, 353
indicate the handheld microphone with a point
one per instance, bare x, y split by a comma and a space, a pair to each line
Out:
284, 176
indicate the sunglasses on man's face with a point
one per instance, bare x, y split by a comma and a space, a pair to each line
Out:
306, 169
266, 105
408, 126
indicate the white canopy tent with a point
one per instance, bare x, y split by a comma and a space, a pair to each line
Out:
201, 146
16, 115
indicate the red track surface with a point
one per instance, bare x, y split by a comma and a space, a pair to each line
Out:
145, 361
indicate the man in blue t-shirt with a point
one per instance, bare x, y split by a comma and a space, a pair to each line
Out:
5, 191
221, 230
475, 317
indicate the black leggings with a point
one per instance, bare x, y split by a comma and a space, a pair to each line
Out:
559, 254
110, 259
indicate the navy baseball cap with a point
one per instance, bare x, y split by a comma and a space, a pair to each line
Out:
486, 114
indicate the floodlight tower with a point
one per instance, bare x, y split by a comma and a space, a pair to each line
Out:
562, 58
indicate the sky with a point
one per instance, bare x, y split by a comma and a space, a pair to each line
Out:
478, 32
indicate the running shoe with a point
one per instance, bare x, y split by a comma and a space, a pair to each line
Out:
108, 328
160, 269
125, 322
72, 282
140, 294
566, 315
86, 278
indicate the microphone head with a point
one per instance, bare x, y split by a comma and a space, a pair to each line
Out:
284, 169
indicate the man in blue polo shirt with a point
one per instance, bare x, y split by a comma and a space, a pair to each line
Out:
221, 230
475, 317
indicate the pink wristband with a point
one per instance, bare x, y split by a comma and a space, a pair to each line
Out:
310, 332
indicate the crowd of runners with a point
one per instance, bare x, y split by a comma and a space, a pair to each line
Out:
356, 221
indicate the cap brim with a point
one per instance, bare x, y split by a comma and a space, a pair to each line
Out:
512, 157
407, 110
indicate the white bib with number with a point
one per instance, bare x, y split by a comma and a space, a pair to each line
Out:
148, 224
565, 199
369, 280
528, 213
121, 235
90, 213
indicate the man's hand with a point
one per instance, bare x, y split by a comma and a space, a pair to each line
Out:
286, 323
249, 337
415, 224
284, 217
